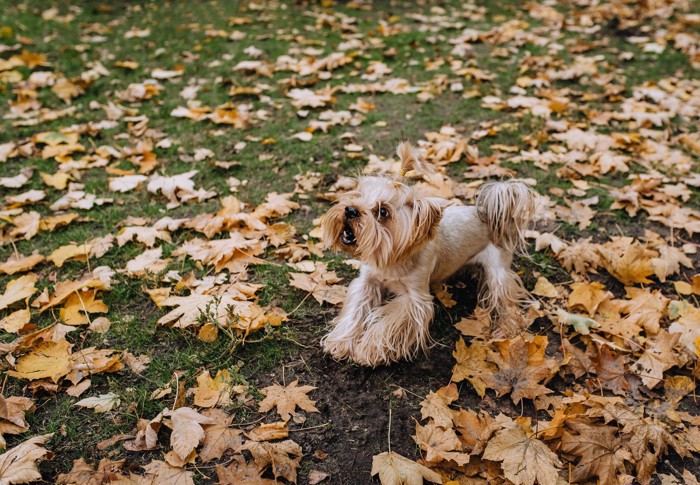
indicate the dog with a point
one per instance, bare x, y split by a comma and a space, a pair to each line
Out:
407, 242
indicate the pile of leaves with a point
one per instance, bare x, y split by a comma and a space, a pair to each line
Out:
600, 387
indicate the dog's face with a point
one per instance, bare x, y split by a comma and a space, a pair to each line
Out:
381, 222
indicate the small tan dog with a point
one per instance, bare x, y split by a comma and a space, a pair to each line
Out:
406, 242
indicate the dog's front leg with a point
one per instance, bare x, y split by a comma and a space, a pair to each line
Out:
396, 330
364, 294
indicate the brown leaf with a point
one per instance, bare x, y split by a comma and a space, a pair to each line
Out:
187, 430
240, 472
160, 473
657, 358
472, 365
19, 464
521, 368
440, 444
287, 399
283, 457
394, 469
600, 451
269, 432
436, 405
524, 459
588, 296
612, 374
218, 437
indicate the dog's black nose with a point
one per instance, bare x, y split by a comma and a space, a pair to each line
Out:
351, 212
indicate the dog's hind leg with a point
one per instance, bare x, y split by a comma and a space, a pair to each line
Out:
502, 291
364, 294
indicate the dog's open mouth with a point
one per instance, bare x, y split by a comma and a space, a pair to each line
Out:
348, 236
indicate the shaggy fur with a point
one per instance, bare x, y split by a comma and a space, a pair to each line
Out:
406, 243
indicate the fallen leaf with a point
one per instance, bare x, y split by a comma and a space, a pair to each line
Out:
17, 290
287, 399
394, 469
525, 460
101, 403
283, 457
187, 430
19, 464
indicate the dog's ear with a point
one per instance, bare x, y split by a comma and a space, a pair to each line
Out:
332, 225
412, 159
427, 213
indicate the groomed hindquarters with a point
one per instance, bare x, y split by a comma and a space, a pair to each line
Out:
507, 208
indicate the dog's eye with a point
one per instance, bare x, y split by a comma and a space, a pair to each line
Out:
383, 212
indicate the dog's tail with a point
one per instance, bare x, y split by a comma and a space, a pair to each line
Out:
507, 208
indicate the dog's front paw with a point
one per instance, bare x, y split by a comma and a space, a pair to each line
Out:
339, 349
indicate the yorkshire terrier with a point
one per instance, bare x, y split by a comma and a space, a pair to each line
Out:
407, 242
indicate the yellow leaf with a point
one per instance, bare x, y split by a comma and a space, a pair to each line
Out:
544, 288
15, 321
19, 289
70, 251
18, 263
48, 359
59, 180
208, 333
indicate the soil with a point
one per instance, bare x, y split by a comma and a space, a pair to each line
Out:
365, 411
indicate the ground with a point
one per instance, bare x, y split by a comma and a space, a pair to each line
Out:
596, 106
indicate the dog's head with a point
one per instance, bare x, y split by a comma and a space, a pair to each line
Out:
381, 222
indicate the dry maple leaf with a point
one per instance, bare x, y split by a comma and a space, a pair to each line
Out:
475, 429
269, 431
600, 451
187, 430
287, 399
161, 473
239, 472
108, 471
69, 251
543, 287
646, 438
282, 457
219, 437
394, 469
145, 235
521, 368
657, 358
146, 435
611, 370
472, 365
524, 459
669, 262
19, 464
190, 309
12, 420
48, 359
634, 266
588, 296
211, 392
436, 405
645, 308
440, 444
18, 263
17, 290
320, 285
172, 187
79, 305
